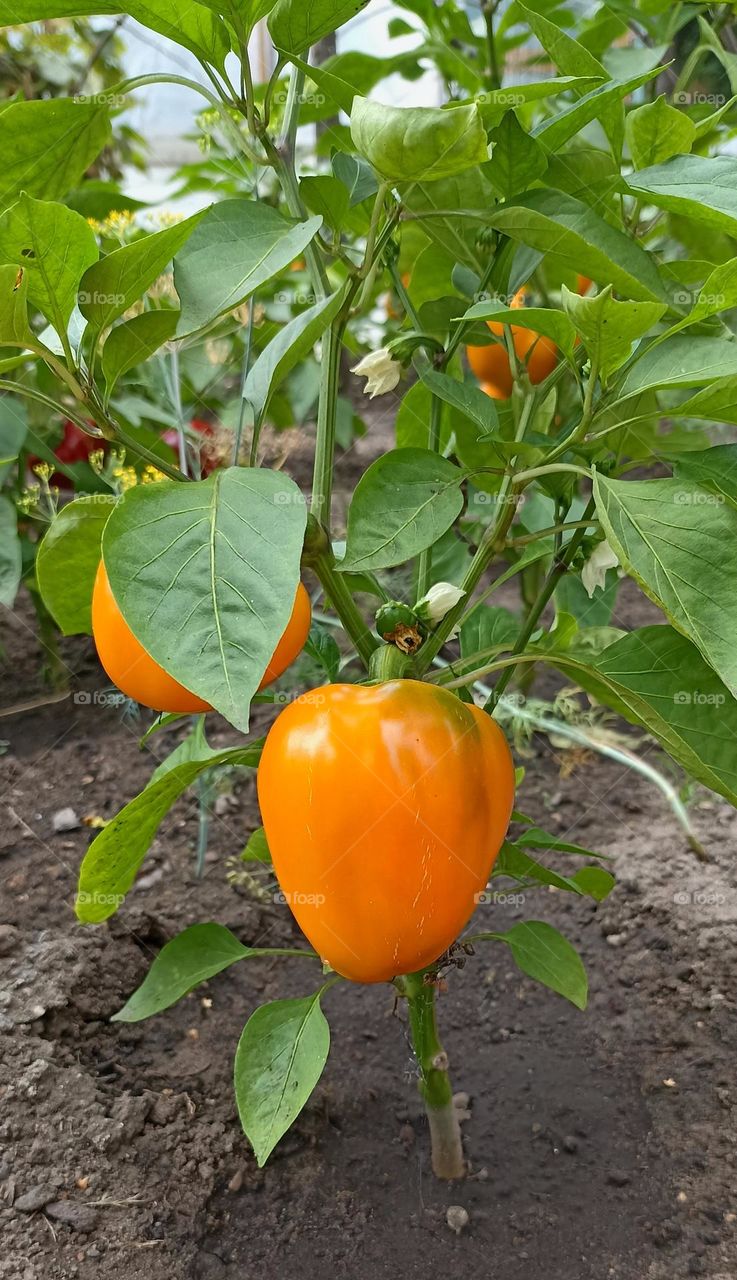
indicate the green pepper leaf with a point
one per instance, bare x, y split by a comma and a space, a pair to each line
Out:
279, 1060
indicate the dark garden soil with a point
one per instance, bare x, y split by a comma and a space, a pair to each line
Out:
601, 1144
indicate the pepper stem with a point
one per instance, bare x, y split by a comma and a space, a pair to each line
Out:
388, 663
435, 1087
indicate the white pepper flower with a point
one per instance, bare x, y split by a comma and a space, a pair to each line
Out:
594, 572
439, 600
381, 372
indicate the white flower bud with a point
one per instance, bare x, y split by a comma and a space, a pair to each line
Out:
439, 600
594, 572
381, 372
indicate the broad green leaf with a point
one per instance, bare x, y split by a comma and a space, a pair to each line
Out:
570, 57
206, 573
257, 848
294, 25
699, 187
536, 838
194, 747
686, 360
609, 328
576, 237
603, 103
10, 553
553, 324
718, 293
657, 679
418, 144
466, 397
193, 956
111, 863
593, 611
291, 344
715, 403
545, 955
713, 469
401, 505
68, 558
328, 197
239, 245
488, 628
438, 204
55, 247
356, 175
15, 330
512, 861
134, 341
595, 882
678, 541
323, 648
185, 22
411, 424
242, 14
279, 1060
518, 159
46, 146
494, 103
657, 131
13, 429
114, 283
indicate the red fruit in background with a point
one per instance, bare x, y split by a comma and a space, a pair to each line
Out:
75, 446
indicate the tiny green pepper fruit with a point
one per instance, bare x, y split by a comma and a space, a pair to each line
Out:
398, 624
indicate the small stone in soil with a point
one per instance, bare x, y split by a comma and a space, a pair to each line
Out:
78, 1216
570, 1144
617, 1178
9, 937
34, 1199
65, 820
457, 1218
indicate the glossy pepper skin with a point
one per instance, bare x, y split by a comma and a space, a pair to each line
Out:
136, 673
384, 808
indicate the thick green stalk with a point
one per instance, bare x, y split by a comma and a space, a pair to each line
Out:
493, 75
424, 561
557, 571
434, 1084
322, 474
339, 593
490, 544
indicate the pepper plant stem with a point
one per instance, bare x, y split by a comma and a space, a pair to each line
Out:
435, 1086
557, 571
339, 593
424, 560
490, 544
